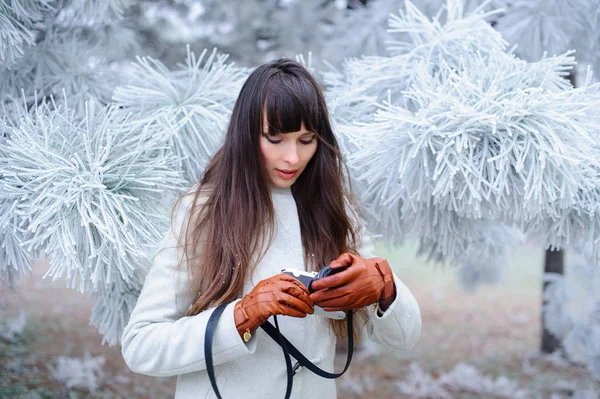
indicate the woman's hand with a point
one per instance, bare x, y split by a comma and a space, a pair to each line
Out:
277, 295
362, 283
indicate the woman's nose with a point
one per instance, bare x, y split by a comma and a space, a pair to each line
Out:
291, 154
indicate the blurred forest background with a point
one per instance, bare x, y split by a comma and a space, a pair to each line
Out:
487, 114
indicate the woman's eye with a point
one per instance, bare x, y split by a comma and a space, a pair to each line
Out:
269, 137
274, 141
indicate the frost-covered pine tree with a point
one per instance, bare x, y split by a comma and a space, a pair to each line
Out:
465, 142
48, 48
87, 180
536, 27
553, 27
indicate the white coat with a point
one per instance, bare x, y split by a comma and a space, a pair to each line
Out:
159, 341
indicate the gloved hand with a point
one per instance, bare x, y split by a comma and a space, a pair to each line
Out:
277, 295
362, 283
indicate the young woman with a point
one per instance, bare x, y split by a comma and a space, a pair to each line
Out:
272, 197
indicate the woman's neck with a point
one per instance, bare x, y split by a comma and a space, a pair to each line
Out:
280, 190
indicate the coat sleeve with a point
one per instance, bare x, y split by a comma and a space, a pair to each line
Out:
399, 327
159, 340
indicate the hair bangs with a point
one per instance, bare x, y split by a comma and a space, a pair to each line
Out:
289, 103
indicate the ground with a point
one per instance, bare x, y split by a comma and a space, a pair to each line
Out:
483, 344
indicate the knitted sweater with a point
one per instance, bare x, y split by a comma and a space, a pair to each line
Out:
159, 341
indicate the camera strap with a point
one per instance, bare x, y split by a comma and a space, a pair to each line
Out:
302, 360
287, 347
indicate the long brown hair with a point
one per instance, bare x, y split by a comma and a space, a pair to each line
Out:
235, 215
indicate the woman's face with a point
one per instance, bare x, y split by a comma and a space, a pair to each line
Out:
286, 155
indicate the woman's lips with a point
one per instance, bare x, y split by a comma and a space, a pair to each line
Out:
286, 174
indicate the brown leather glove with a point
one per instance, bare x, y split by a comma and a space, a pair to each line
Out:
278, 295
364, 282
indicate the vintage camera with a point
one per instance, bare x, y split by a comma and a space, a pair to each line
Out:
307, 278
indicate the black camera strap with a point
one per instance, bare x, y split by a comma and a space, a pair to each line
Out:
302, 360
208, 340
287, 347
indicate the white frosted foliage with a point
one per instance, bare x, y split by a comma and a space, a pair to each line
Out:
494, 137
454, 141
67, 49
420, 39
552, 27
188, 108
87, 189
17, 18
